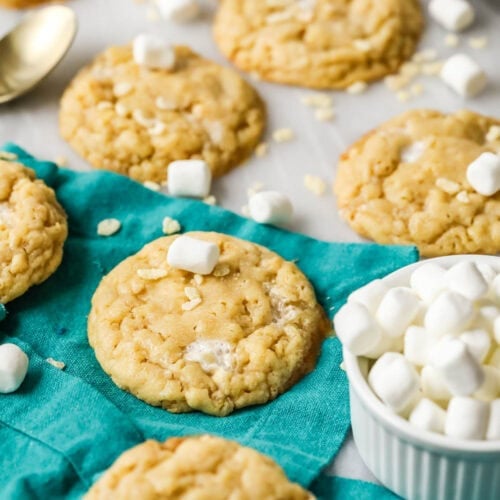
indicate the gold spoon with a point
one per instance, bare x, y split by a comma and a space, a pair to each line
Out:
34, 48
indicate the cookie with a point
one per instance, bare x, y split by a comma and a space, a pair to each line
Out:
32, 230
135, 121
200, 467
405, 183
254, 332
326, 44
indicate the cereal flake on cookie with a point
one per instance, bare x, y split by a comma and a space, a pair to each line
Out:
236, 337
33, 230
135, 120
319, 43
195, 467
406, 183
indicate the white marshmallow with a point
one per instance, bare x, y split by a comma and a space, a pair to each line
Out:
483, 174
370, 295
463, 75
394, 380
153, 52
397, 310
428, 280
489, 274
386, 344
270, 207
416, 348
466, 279
493, 431
179, 11
449, 313
478, 342
13, 367
356, 329
454, 15
486, 316
189, 178
466, 418
496, 287
433, 385
191, 254
494, 359
496, 329
460, 370
428, 416
490, 389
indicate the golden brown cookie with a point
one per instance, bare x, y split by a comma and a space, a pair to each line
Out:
135, 121
255, 331
32, 230
198, 468
318, 43
405, 182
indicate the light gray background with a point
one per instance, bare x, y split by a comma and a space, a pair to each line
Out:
32, 120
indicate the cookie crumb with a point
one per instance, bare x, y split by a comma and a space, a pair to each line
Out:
261, 150
210, 200
447, 185
396, 82
425, 55
317, 100
151, 274
189, 306
221, 270
122, 89
478, 42
315, 184
108, 227
283, 135
416, 89
463, 197
192, 293
357, 88
493, 133
409, 69
154, 186
170, 226
324, 114
57, 364
432, 68
198, 279
61, 161
451, 40
403, 96
6, 155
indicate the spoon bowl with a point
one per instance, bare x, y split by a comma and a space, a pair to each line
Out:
33, 49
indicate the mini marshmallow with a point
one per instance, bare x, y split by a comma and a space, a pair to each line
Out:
433, 385
496, 329
397, 310
270, 207
370, 295
460, 370
486, 316
153, 52
490, 389
179, 11
189, 178
466, 279
454, 15
356, 328
463, 75
483, 174
478, 343
496, 287
193, 255
428, 280
394, 380
466, 418
449, 313
493, 431
13, 367
489, 274
416, 347
494, 359
428, 416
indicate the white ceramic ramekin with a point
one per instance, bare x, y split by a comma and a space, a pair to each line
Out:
413, 463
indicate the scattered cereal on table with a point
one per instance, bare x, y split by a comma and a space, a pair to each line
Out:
108, 227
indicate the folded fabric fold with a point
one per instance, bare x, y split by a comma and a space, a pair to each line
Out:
81, 409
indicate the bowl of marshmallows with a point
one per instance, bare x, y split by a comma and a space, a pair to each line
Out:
422, 354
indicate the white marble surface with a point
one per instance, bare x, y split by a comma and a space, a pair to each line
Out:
32, 120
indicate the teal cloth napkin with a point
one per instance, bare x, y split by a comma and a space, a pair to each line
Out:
63, 428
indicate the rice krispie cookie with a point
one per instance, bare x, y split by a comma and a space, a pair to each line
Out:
200, 467
405, 182
318, 43
32, 230
133, 120
237, 337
